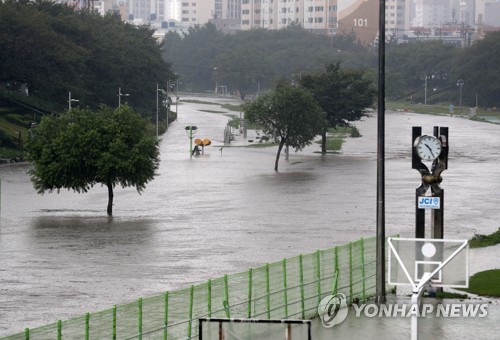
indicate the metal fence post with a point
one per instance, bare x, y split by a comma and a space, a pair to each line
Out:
249, 309
335, 279
139, 305
268, 297
350, 272
87, 326
191, 296
318, 275
226, 296
285, 288
59, 329
26, 334
165, 317
114, 322
301, 277
209, 297
363, 268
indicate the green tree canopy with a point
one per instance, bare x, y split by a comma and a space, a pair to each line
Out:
241, 69
258, 57
343, 94
289, 114
80, 148
478, 68
408, 65
55, 50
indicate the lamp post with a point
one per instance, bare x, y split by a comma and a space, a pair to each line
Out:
120, 95
158, 106
215, 78
460, 84
168, 101
176, 95
70, 100
191, 131
425, 90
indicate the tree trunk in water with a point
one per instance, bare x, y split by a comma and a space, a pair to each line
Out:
110, 199
280, 147
323, 142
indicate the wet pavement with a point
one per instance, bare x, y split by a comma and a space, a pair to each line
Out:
228, 210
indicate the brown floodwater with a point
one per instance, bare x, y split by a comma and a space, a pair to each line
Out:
228, 210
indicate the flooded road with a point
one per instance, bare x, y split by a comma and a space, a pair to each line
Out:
225, 211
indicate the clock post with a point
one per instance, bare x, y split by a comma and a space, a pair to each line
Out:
430, 148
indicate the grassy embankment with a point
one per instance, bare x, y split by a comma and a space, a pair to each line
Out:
16, 118
14, 127
486, 283
442, 109
479, 241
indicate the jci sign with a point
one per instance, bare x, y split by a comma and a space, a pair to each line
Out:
426, 202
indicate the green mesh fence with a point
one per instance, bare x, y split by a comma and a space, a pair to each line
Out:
291, 288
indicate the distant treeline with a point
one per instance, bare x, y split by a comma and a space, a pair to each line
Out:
253, 60
51, 50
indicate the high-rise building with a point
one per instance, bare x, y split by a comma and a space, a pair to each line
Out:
314, 15
432, 13
196, 12
467, 12
227, 9
397, 17
491, 13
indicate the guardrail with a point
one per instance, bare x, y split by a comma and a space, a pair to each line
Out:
290, 288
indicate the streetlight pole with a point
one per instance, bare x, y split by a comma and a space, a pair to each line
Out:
70, 100
425, 91
460, 84
120, 95
191, 131
177, 97
380, 232
157, 108
168, 102
215, 77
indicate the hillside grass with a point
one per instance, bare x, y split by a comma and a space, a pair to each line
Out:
485, 283
441, 109
479, 241
336, 137
14, 124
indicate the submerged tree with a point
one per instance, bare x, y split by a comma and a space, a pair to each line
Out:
80, 148
289, 114
343, 94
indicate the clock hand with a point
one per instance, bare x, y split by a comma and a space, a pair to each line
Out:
428, 147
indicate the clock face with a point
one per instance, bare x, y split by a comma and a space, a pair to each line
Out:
428, 148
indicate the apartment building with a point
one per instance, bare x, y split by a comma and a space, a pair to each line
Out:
491, 12
397, 17
227, 9
327, 16
196, 12
314, 15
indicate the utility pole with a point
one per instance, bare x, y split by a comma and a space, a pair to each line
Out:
380, 238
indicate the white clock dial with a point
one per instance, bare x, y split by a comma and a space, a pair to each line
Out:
428, 148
